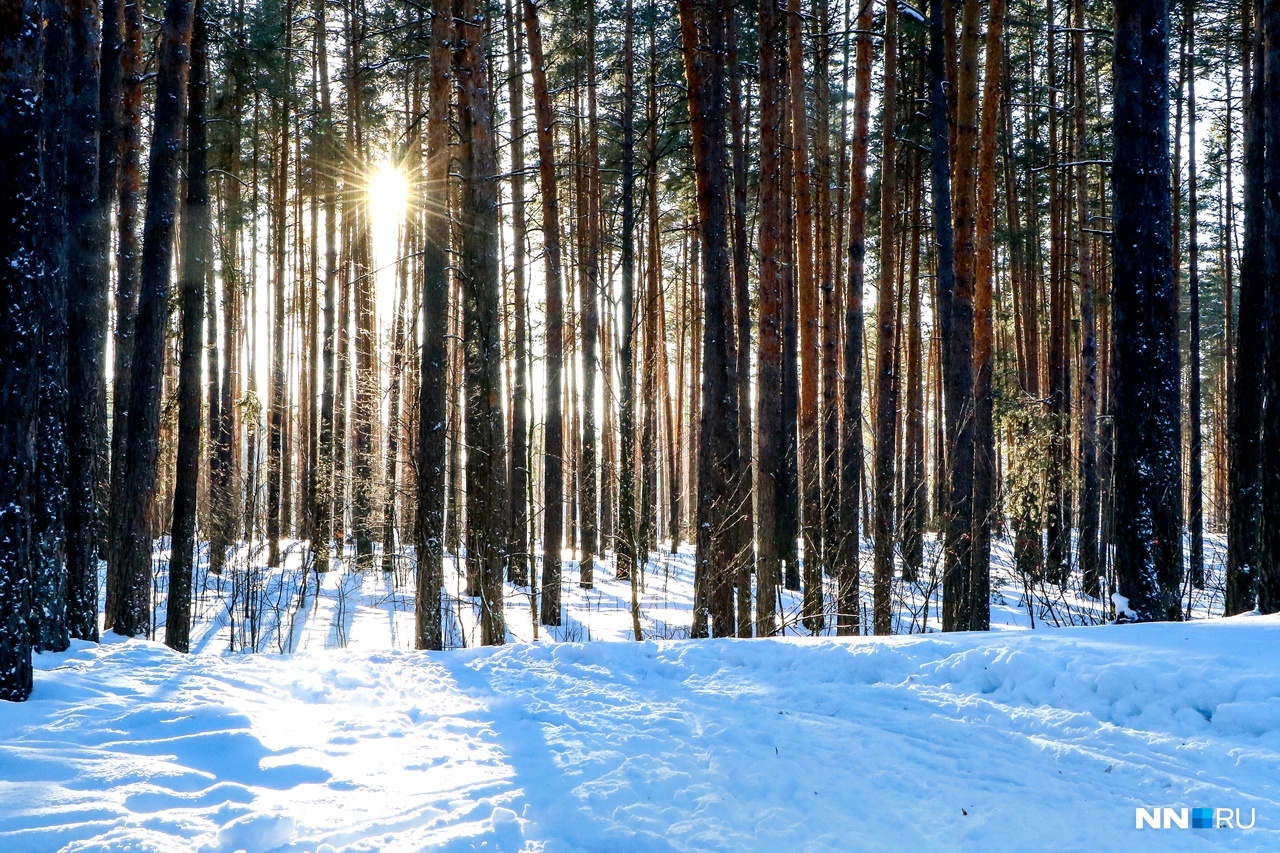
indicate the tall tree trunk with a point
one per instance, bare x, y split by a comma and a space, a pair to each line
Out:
1244, 480
1087, 547
589, 289
744, 515
142, 443
343, 370
433, 391
520, 463
110, 152
955, 304
1145, 350
915, 498
677, 396
197, 246
886, 328
704, 36
653, 365
309, 381
278, 392
985, 513
1057, 516
810, 319
608, 472
1267, 582
364, 405
553, 439
456, 507
87, 280
628, 544
769, 417
487, 521
322, 532
126, 298
1227, 222
1195, 511
21, 315
848, 619
831, 294
48, 509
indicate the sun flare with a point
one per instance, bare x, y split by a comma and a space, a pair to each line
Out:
388, 191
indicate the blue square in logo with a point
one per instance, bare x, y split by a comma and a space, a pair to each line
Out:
1202, 818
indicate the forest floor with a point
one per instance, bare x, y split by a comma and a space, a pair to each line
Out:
288, 609
1010, 740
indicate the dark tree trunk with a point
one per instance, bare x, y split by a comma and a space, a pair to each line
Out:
322, 527
309, 379
985, 512
848, 619
126, 298
1267, 582
589, 328
142, 443
364, 407
88, 276
1148, 501
519, 567
886, 329
276, 414
628, 542
955, 304
433, 392
553, 438
788, 501
744, 515
831, 295
110, 151
487, 521
1058, 368
196, 250
769, 415
914, 501
1245, 476
364, 399
651, 322
1087, 547
1195, 498
704, 36
810, 463
343, 375
48, 616
453, 348
21, 314
677, 397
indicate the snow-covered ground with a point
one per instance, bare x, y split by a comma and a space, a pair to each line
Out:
1006, 741
349, 740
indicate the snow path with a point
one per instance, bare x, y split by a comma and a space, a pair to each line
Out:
1013, 740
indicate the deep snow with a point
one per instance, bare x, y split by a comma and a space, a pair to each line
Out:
1013, 740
